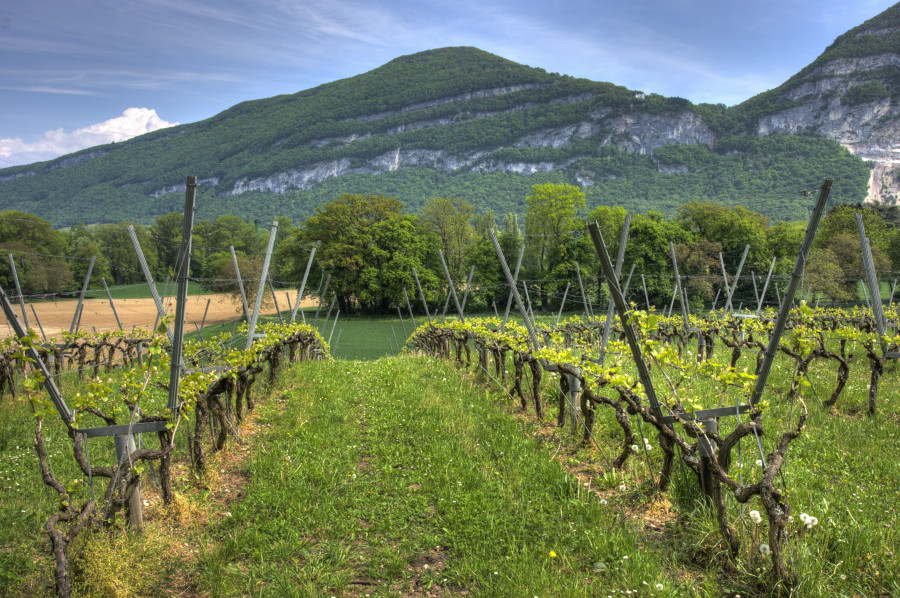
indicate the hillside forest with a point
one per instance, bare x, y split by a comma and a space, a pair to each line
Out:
369, 245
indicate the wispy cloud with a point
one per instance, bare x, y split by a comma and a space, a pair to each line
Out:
132, 122
54, 90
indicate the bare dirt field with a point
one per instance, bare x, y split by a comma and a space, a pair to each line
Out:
56, 316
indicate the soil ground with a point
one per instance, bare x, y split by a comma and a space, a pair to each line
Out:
56, 316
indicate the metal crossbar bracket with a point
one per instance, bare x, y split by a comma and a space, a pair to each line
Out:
138, 428
706, 414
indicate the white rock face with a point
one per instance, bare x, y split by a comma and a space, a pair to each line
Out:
870, 130
632, 133
182, 187
643, 133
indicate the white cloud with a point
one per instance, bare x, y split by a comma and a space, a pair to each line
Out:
133, 122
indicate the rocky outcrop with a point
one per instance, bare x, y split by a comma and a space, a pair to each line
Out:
643, 133
871, 129
69, 161
18, 175
211, 181
632, 133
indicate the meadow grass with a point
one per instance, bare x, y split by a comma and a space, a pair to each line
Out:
354, 471
365, 484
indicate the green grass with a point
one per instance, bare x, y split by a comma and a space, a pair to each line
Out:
362, 482
357, 465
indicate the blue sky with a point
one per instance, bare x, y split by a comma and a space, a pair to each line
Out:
75, 73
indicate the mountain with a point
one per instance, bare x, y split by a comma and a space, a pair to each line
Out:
851, 94
461, 121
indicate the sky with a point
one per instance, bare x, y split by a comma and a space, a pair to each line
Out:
78, 73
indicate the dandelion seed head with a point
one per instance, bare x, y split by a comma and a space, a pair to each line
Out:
764, 549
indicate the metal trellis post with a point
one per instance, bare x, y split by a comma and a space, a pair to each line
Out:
262, 284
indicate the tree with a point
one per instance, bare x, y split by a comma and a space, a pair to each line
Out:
823, 274
39, 252
356, 235
733, 228
698, 264
115, 242
648, 248
449, 218
550, 217
166, 234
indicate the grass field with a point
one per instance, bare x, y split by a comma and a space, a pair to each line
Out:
345, 485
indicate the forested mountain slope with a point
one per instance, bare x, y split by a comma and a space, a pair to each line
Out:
461, 121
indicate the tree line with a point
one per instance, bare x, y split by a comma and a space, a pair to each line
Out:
370, 244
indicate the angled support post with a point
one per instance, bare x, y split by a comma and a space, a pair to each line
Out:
610, 308
160, 310
240, 281
725, 279
784, 312
755, 288
422, 295
734, 283
563, 302
588, 311
515, 281
622, 309
762, 295
312, 254
871, 277
402, 323
334, 325
12, 266
77, 317
111, 304
685, 306
55, 396
409, 307
262, 284
679, 290
321, 298
205, 311
275, 300
646, 296
328, 313
468, 286
459, 310
38, 320
514, 289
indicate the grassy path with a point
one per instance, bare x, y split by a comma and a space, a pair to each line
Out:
398, 477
